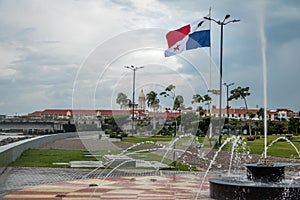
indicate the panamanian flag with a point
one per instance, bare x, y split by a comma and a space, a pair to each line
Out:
191, 36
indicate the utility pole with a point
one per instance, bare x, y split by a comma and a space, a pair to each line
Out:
133, 68
222, 24
227, 107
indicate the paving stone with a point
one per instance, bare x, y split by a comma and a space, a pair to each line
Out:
130, 187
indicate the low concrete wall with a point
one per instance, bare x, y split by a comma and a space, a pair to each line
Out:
10, 152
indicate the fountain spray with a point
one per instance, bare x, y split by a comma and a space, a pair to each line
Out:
264, 65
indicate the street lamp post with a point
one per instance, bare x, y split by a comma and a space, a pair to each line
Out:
222, 24
133, 68
227, 106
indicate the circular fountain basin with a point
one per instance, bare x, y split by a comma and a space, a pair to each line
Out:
265, 174
229, 188
261, 182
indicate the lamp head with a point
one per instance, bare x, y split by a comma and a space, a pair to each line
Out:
227, 16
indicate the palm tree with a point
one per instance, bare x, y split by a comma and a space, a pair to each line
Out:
260, 113
170, 92
206, 100
122, 100
152, 101
240, 92
178, 103
197, 98
251, 116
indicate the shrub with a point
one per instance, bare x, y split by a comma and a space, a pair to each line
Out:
289, 136
182, 167
112, 134
108, 131
123, 134
250, 138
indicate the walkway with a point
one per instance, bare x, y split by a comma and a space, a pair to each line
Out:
48, 183
58, 183
86, 141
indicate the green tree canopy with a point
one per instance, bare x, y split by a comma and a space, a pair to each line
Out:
178, 103
197, 98
240, 92
260, 112
169, 92
122, 99
152, 100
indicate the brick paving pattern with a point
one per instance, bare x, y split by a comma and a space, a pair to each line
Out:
130, 187
26, 183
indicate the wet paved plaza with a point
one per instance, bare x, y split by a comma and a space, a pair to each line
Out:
53, 183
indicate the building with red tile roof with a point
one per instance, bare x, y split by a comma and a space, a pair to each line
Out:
238, 113
241, 113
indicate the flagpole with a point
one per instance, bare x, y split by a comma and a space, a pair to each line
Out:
210, 50
210, 63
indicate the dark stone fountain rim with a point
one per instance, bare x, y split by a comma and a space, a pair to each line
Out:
246, 183
275, 165
227, 188
265, 173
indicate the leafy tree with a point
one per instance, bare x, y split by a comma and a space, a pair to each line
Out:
178, 103
234, 124
251, 116
259, 126
240, 92
152, 102
294, 125
187, 119
206, 98
169, 92
197, 98
277, 127
122, 100
114, 123
260, 113
203, 125
177, 100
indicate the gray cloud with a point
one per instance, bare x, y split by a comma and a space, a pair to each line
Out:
43, 45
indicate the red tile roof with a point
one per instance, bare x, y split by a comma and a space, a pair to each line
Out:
54, 112
106, 112
35, 114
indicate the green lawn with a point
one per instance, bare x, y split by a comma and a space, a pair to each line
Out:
154, 139
279, 149
148, 156
45, 157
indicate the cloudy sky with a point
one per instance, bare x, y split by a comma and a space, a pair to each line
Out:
71, 54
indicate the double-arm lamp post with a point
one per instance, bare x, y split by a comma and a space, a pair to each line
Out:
133, 68
227, 106
222, 24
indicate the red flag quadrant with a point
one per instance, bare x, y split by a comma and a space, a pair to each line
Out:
192, 36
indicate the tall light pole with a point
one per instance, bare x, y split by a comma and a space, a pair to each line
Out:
227, 106
133, 68
222, 24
